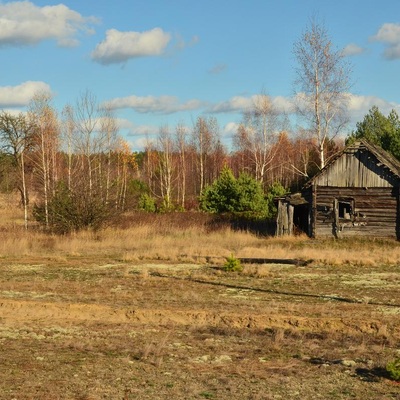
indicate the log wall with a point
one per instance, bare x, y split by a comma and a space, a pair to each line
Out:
375, 212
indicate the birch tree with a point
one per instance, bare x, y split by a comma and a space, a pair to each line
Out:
257, 136
45, 139
68, 141
165, 148
16, 139
205, 138
321, 86
109, 131
181, 144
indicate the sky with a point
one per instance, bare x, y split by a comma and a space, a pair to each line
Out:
160, 63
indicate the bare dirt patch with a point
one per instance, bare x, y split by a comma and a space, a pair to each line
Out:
100, 329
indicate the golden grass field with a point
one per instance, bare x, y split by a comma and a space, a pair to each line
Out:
146, 312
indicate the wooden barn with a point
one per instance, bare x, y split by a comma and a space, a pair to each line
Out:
356, 194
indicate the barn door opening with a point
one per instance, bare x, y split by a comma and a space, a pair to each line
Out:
301, 218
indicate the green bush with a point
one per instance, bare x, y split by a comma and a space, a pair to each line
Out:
243, 196
233, 264
222, 196
147, 203
394, 369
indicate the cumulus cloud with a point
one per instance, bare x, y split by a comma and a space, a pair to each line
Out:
389, 34
119, 47
360, 105
352, 50
240, 104
144, 130
140, 144
21, 95
230, 129
234, 104
22, 23
151, 104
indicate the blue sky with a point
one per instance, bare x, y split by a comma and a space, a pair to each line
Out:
165, 62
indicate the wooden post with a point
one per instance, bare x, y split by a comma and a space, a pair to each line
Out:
290, 219
398, 214
284, 220
335, 224
279, 219
313, 211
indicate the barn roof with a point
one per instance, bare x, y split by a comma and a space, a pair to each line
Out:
385, 159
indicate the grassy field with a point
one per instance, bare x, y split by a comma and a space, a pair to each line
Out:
146, 312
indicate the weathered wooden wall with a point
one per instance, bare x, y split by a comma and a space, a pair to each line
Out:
375, 210
284, 222
356, 169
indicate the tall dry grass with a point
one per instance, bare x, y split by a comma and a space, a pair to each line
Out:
187, 237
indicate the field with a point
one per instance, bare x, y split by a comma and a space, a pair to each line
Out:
146, 312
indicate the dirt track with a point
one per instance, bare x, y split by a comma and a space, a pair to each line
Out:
17, 312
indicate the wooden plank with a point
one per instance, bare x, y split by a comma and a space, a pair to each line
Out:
313, 218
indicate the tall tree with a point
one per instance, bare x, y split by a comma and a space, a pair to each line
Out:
68, 141
258, 135
322, 85
205, 139
380, 130
181, 146
16, 135
45, 137
166, 167
92, 139
108, 127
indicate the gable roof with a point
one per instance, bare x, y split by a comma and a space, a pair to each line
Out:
385, 159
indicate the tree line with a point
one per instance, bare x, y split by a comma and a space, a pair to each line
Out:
73, 170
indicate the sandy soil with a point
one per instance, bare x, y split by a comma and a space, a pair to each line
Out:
90, 329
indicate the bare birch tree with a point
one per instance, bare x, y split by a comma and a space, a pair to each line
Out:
68, 140
89, 136
258, 134
165, 148
205, 139
321, 86
181, 144
45, 139
16, 140
109, 131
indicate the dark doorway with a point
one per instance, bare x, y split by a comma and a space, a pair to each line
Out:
301, 218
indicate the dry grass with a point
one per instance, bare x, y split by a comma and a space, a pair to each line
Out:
137, 311
80, 329
183, 237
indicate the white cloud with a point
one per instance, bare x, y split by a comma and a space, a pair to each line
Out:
123, 123
21, 95
141, 143
151, 104
352, 50
234, 104
359, 106
119, 47
240, 104
23, 23
139, 130
389, 34
230, 129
